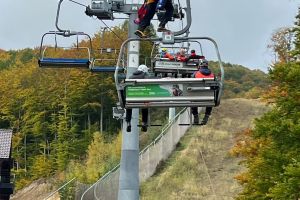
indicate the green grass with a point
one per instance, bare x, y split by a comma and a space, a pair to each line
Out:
185, 174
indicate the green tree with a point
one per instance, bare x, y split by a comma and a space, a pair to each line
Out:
273, 146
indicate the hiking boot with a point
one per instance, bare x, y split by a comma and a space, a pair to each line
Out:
141, 34
162, 29
144, 127
128, 129
205, 119
196, 119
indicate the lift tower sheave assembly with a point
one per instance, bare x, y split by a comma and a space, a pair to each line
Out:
104, 9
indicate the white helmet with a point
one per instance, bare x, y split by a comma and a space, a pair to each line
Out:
143, 68
203, 63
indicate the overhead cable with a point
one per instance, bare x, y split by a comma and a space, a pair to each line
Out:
78, 3
112, 30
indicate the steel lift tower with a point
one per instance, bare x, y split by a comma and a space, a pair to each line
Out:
129, 168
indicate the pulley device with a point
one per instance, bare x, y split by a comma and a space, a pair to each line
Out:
105, 9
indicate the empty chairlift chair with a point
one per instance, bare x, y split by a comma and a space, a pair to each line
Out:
108, 61
170, 91
74, 56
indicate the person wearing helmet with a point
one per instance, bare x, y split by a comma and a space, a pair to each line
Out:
140, 73
202, 72
165, 54
151, 7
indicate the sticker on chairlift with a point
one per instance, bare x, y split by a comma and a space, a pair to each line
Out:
166, 64
153, 90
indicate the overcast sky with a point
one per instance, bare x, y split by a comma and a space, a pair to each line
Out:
242, 28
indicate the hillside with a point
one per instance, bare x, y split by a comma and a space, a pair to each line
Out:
56, 114
203, 151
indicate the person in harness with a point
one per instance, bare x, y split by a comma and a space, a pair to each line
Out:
147, 12
141, 73
202, 72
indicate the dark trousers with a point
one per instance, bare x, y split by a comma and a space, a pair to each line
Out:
168, 14
207, 110
144, 115
151, 9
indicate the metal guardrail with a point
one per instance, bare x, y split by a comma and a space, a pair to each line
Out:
153, 143
156, 140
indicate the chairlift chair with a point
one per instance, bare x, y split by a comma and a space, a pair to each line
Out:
166, 67
170, 92
80, 61
101, 64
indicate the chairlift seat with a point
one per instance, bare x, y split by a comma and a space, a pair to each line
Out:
105, 69
64, 63
171, 92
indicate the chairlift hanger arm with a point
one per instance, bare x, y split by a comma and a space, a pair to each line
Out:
57, 17
67, 32
188, 11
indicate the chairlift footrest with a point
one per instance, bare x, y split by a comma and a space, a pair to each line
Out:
190, 124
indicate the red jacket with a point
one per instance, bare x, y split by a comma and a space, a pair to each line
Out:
198, 74
181, 58
167, 55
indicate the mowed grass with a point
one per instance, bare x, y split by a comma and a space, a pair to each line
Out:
200, 167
